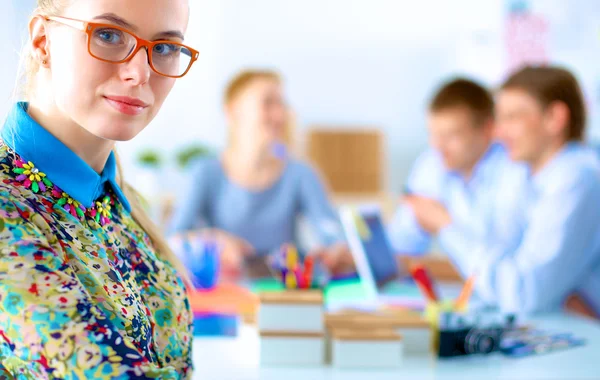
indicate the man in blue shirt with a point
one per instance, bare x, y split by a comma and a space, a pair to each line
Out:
459, 170
545, 247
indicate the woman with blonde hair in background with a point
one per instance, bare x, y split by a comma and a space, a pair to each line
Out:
250, 198
88, 288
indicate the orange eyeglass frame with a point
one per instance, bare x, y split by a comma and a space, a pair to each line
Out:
87, 27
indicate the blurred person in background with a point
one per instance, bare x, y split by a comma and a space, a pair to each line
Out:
457, 172
250, 198
545, 248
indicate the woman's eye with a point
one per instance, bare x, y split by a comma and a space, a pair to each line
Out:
110, 36
167, 49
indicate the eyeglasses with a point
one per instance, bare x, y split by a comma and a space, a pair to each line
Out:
110, 43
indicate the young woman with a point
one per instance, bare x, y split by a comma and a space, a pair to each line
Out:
88, 288
250, 198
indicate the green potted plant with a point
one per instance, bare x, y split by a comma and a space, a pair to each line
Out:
150, 159
190, 153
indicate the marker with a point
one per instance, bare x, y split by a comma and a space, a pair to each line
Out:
463, 299
208, 273
424, 282
277, 263
292, 258
290, 280
300, 278
308, 271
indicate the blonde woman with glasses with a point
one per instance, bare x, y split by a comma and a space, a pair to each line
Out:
88, 287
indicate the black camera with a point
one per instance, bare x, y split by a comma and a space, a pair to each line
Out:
460, 335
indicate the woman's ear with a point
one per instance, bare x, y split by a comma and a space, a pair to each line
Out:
559, 116
230, 113
38, 40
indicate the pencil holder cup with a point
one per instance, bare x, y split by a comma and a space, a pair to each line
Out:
201, 257
435, 313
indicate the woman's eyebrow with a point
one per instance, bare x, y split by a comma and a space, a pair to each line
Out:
116, 20
127, 25
171, 34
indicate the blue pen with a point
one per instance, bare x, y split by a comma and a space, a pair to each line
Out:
202, 259
194, 260
208, 273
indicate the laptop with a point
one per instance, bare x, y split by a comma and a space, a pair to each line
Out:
383, 277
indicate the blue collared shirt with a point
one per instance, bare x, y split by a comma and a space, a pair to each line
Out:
469, 202
546, 241
68, 171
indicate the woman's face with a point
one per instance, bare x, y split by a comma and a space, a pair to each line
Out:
259, 113
111, 101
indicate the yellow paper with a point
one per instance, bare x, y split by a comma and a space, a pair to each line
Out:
361, 226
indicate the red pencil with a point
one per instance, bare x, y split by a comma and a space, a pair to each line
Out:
424, 282
308, 271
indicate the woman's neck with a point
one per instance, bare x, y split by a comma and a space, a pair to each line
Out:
90, 148
546, 156
252, 167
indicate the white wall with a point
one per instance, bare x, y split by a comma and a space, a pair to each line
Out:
9, 29
346, 62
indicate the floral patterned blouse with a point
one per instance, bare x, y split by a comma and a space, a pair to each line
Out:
83, 294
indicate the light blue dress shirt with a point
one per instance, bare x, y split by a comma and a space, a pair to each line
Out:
267, 219
468, 201
546, 236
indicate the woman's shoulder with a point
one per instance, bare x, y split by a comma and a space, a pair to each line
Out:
11, 194
206, 167
20, 216
302, 174
302, 169
22, 211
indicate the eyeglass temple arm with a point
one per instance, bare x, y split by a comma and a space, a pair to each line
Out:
81, 25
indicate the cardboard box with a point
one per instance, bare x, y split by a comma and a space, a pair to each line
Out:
288, 348
366, 348
291, 310
414, 329
351, 159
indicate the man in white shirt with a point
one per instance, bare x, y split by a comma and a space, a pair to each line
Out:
459, 171
544, 249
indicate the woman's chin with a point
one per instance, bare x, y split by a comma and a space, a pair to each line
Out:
117, 132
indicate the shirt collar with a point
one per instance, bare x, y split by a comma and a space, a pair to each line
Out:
62, 166
545, 177
481, 169
489, 157
573, 157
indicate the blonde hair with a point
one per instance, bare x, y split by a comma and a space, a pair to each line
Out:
244, 79
29, 62
31, 66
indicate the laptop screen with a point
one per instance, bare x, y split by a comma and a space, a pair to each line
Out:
376, 247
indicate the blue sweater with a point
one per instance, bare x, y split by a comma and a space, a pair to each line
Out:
267, 218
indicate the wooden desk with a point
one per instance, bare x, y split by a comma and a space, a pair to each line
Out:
441, 268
